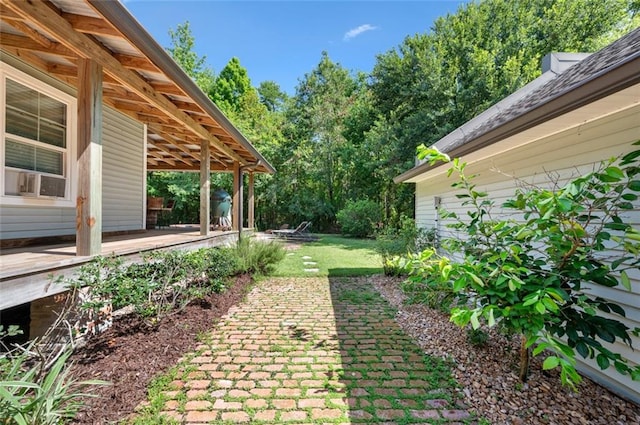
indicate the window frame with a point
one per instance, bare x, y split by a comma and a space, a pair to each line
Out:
69, 159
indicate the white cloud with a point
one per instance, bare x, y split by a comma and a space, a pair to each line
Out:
352, 33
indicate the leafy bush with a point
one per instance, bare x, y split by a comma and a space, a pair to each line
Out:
534, 276
359, 218
258, 257
422, 288
407, 239
163, 282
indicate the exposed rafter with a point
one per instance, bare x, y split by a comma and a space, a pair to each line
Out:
86, 47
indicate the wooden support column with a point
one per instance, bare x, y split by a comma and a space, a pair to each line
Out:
205, 187
89, 200
236, 215
251, 213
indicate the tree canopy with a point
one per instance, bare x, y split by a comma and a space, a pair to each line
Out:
343, 136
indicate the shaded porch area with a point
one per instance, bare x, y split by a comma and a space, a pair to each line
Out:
32, 272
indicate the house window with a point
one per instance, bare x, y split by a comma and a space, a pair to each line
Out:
36, 141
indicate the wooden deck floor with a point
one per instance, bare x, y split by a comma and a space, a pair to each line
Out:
25, 272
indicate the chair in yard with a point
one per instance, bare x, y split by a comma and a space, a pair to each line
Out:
299, 233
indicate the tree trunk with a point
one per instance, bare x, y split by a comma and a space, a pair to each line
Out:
524, 359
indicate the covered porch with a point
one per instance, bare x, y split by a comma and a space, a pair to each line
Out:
30, 273
93, 103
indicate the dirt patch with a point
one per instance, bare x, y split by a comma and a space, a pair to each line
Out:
131, 354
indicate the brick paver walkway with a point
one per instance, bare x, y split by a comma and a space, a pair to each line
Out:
311, 350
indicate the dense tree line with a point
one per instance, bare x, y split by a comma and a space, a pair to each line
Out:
343, 136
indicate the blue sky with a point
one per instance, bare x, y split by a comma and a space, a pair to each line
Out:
283, 40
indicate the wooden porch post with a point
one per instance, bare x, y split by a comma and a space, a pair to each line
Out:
236, 218
251, 213
89, 200
205, 187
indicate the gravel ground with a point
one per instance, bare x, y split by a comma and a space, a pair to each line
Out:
488, 374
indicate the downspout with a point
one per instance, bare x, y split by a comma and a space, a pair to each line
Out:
241, 191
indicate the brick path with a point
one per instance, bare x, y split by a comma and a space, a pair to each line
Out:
311, 350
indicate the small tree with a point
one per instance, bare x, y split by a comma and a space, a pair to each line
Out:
533, 275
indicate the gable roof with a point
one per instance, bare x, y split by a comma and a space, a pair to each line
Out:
140, 79
610, 70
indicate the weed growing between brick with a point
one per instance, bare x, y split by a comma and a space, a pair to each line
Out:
309, 351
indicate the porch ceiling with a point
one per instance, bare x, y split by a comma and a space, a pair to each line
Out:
140, 79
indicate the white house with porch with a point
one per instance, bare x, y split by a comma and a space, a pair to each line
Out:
90, 103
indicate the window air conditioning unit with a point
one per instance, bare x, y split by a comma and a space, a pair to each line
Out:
52, 186
34, 184
27, 184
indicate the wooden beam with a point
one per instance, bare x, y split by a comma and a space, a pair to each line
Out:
166, 88
121, 93
84, 46
236, 218
89, 200
161, 146
177, 144
90, 25
188, 106
162, 158
72, 71
205, 188
26, 43
30, 32
8, 14
136, 62
138, 107
251, 221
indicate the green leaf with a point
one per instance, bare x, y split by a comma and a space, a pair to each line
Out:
476, 279
603, 361
549, 304
625, 281
539, 348
614, 172
474, 320
634, 185
540, 308
628, 158
564, 204
616, 226
550, 362
491, 321
582, 349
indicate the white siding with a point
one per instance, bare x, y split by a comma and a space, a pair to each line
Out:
123, 172
123, 188
559, 157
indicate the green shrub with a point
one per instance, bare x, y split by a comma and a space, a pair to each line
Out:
540, 277
163, 282
31, 393
392, 242
359, 218
424, 285
258, 257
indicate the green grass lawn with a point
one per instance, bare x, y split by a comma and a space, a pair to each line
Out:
334, 256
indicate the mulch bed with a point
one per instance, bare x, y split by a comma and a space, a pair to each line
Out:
130, 354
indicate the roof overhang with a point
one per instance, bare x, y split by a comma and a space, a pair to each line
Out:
140, 79
607, 91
